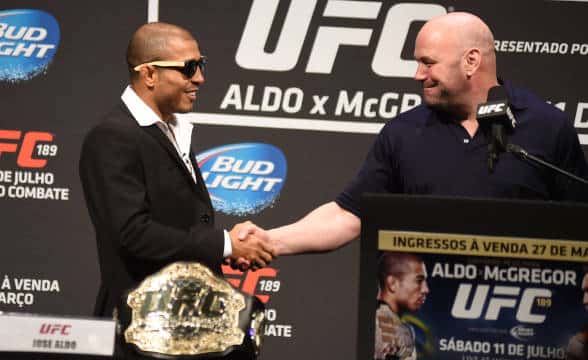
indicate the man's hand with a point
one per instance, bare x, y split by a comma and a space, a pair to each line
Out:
251, 246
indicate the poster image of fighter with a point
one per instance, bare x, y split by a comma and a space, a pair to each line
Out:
578, 345
499, 308
403, 289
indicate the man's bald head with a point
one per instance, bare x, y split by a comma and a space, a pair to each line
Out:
456, 62
464, 29
150, 43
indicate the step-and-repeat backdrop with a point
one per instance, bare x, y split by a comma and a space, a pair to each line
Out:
295, 89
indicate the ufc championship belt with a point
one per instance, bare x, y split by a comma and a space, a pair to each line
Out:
184, 311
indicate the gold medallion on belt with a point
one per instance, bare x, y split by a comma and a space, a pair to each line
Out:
185, 309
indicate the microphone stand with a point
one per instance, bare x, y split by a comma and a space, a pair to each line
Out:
522, 153
496, 145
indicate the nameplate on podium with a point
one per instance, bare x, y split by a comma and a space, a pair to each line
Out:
56, 334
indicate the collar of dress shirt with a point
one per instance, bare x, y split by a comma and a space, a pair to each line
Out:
145, 116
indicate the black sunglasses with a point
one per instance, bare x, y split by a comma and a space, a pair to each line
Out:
188, 67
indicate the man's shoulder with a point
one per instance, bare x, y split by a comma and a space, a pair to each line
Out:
522, 98
117, 123
538, 119
118, 118
410, 119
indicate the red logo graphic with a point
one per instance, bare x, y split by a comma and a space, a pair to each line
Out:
28, 147
248, 281
55, 329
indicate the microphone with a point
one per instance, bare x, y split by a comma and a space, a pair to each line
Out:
496, 120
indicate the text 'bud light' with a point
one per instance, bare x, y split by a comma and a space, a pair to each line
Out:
28, 42
243, 179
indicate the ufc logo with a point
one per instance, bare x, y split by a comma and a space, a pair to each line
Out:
27, 146
503, 297
252, 278
52, 329
493, 108
386, 61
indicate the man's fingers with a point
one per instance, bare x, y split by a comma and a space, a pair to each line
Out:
245, 229
243, 262
268, 247
240, 264
244, 232
261, 262
253, 249
267, 257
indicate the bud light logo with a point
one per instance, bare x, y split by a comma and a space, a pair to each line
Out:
28, 42
243, 179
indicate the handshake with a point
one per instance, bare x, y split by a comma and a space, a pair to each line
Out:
252, 247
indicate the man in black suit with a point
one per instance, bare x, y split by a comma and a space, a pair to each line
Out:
144, 192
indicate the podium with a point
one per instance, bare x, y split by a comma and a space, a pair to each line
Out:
504, 279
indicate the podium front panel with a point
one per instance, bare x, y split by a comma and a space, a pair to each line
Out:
449, 278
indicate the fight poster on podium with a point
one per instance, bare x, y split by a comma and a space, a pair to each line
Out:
473, 295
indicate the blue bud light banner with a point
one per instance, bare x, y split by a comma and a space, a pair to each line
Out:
244, 178
28, 41
450, 296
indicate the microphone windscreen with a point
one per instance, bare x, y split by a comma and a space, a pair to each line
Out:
497, 93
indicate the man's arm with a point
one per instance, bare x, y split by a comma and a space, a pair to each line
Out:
326, 228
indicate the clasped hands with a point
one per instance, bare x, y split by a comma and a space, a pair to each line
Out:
251, 245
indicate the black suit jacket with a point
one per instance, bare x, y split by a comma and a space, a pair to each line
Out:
146, 209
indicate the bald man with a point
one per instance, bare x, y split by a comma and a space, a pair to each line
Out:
145, 195
437, 148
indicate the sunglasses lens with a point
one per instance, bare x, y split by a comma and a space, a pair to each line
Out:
191, 66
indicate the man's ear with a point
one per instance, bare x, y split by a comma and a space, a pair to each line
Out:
148, 76
472, 61
392, 283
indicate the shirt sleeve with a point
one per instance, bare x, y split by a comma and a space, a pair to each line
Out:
228, 248
376, 175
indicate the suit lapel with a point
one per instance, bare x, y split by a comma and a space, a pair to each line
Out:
199, 188
200, 180
158, 135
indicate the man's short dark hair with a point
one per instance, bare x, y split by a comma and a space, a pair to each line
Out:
149, 43
396, 264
